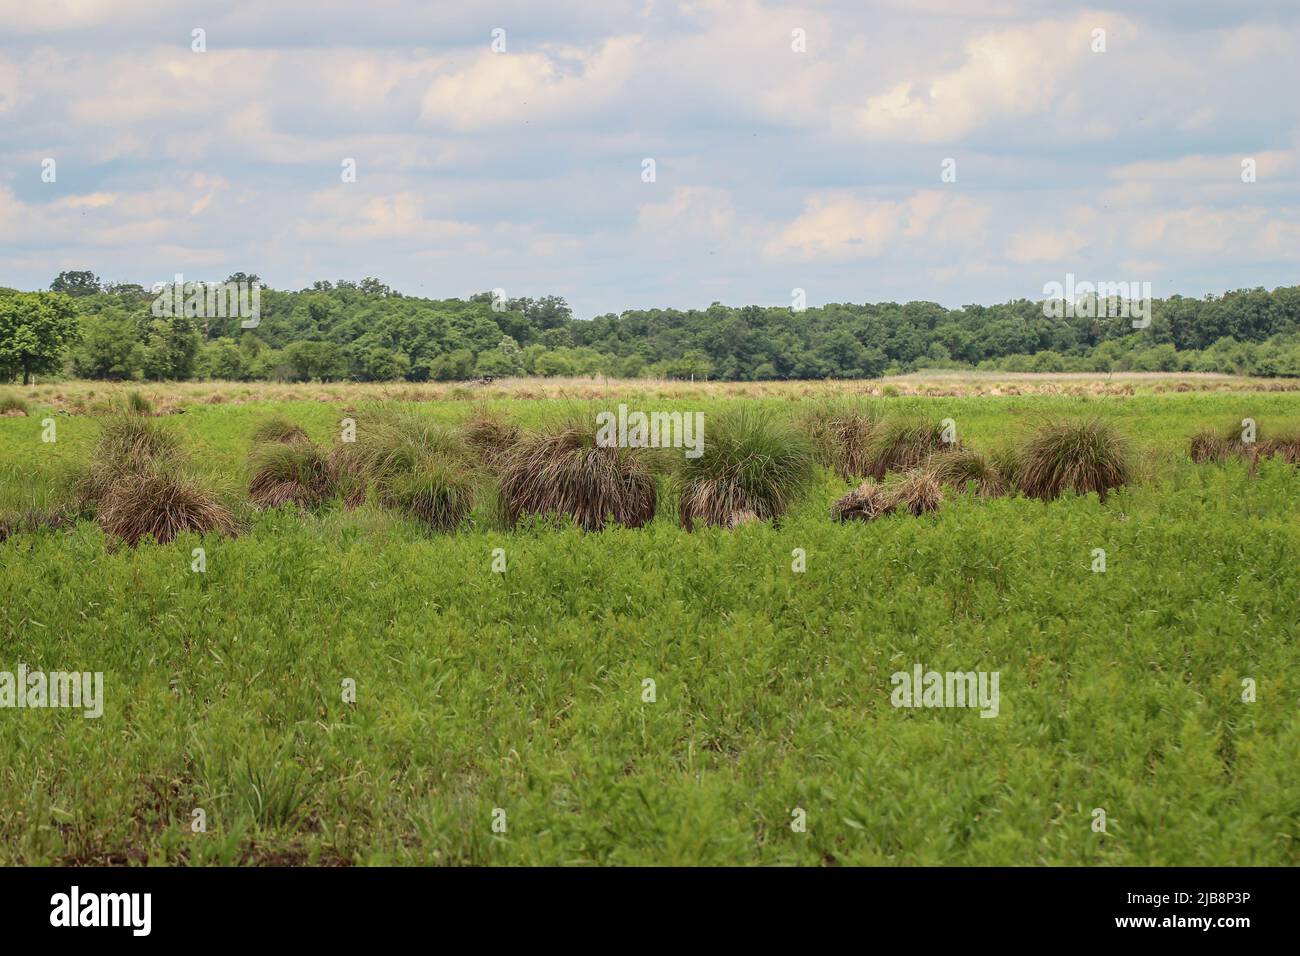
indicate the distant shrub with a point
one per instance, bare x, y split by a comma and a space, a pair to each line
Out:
562, 471
1084, 457
751, 462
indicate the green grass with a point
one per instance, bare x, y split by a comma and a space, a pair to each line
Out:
523, 690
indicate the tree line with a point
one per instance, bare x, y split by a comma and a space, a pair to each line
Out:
365, 331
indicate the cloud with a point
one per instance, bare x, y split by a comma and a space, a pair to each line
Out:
776, 168
556, 84
843, 226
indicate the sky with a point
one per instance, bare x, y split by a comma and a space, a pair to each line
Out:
957, 151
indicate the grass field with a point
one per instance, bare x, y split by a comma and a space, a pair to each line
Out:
485, 697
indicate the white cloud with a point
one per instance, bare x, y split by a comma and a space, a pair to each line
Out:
843, 226
554, 84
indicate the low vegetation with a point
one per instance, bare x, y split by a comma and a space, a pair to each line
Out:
524, 690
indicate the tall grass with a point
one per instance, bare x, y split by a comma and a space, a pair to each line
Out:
1084, 457
903, 444
561, 471
752, 461
297, 472
842, 435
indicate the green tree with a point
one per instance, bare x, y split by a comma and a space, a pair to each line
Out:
36, 330
316, 360
222, 360
77, 283
108, 347
454, 366
170, 346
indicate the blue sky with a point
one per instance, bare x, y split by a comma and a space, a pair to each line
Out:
775, 169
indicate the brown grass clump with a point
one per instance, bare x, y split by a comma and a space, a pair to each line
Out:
1083, 457
490, 436
279, 430
439, 494
1213, 447
751, 461
903, 446
918, 493
129, 444
296, 472
958, 467
160, 505
562, 471
842, 436
348, 474
1288, 449
1208, 447
866, 502
737, 518
34, 517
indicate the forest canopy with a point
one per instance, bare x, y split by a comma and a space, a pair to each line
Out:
365, 331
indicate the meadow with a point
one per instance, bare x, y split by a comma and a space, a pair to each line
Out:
503, 717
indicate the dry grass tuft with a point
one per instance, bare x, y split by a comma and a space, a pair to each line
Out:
866, 502
160, 505
295, 473
1084, 457
958, 467
490, 436
842, 435
903, 445
437, 494
279, 430
128, 444
562, 471
751, 461
918, 493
